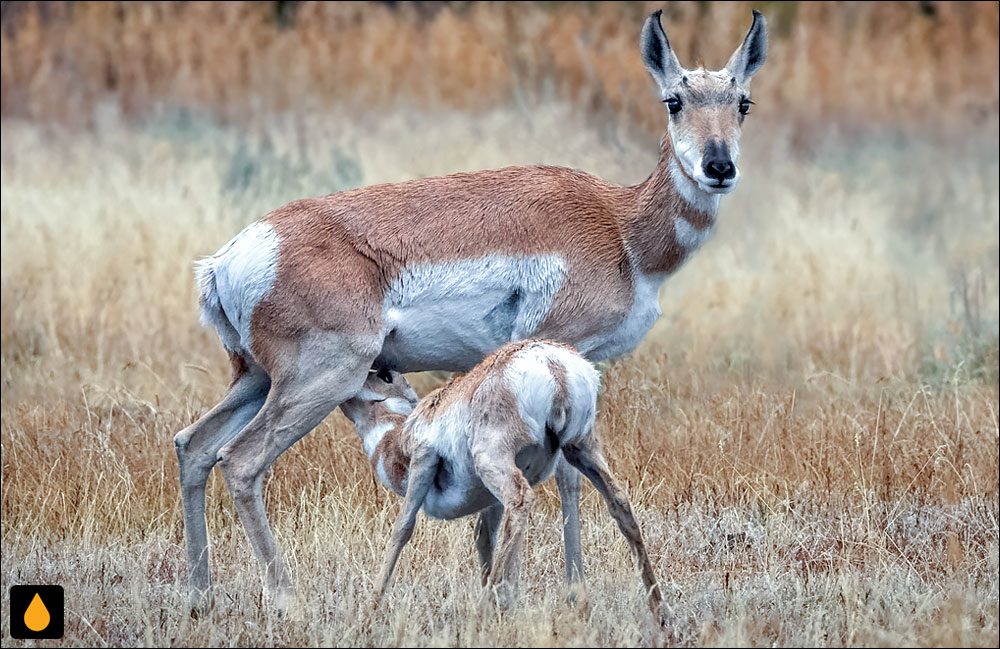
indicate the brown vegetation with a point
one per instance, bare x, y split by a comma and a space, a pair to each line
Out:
898, 63
809, 435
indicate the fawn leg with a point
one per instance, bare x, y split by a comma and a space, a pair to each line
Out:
423, 468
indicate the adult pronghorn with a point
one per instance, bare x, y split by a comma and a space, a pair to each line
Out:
436, 274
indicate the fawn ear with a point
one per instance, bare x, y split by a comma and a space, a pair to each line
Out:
749, 57
659, 59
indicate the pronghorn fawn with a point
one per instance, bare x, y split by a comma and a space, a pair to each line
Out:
481, 442
438, 273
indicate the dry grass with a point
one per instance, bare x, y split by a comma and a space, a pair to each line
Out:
809, 435
895, 63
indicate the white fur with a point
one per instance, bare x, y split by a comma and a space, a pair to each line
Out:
235, 279
448, 436
641, 316
693, 193
399, 405
367, 394
371, 438
688, 236
434, 313
529, 377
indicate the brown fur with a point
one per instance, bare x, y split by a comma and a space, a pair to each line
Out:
339, 253
463, 387
561, 397
239, 365
395, 461
500, 428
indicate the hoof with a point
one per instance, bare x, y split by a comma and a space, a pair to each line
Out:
506, 595
285, 605
201, 604
576, 593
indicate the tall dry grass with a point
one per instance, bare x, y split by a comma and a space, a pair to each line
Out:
809, 434
896, 63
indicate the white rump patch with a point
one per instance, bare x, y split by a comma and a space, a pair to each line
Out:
453, 314
530, 378
234, 280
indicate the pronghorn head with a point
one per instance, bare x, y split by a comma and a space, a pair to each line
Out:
385, 387
706, 107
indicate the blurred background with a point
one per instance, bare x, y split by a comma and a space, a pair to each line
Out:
856, 65
835, 342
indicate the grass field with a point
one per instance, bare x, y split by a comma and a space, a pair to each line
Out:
809, 435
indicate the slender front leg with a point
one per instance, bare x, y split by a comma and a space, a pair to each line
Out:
487, 526
587, 457
423, 468
568, 481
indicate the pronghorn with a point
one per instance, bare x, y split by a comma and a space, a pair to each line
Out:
439, 272
481, 442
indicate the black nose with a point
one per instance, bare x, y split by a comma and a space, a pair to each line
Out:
717, 164
719, 170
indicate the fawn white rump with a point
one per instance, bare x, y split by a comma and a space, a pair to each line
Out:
480, 443
437, 273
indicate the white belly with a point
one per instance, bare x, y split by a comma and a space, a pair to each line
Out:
451, 315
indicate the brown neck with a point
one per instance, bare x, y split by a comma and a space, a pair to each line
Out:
649, 229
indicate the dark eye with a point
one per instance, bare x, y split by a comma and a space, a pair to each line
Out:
385, 375
673, 105
745, 104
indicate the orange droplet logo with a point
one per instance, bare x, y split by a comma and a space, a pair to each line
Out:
36, 617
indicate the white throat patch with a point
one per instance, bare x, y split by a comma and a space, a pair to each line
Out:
694, 195
689, 237
372, 437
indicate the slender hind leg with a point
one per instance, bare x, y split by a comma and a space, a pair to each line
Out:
505, 481
197, 447
317, 376
586, 456
568, 481
487, 526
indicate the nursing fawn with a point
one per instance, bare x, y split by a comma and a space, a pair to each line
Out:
481, 442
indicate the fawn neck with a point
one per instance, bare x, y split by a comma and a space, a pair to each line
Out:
381, 429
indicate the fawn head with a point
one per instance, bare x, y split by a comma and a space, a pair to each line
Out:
385, 388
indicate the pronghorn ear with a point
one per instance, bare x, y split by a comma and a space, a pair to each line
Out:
746, 60
660, 60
